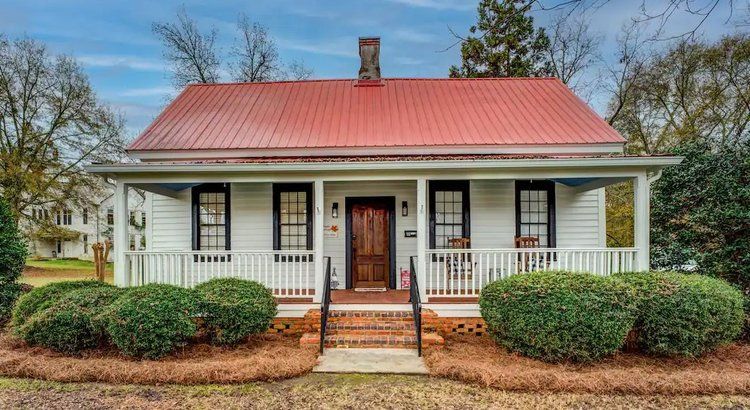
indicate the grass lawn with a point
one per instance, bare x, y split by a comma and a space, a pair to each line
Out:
42, 272
327, 391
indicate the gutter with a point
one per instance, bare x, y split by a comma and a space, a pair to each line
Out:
146, 167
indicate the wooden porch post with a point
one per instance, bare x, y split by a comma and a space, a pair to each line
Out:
121, 240
318, 237
641, 212
422, 237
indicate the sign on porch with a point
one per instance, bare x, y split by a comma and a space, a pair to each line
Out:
331, 231
405, 279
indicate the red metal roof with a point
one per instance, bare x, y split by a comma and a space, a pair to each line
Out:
386, 113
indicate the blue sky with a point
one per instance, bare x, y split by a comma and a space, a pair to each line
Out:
114, 43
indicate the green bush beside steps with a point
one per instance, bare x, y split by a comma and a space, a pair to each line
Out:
558, 316
579, 317
235, 309
150, 321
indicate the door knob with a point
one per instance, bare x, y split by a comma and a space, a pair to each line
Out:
354, 237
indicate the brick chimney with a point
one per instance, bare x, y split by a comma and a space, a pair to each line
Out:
369, 54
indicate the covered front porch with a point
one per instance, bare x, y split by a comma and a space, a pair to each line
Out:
455, 223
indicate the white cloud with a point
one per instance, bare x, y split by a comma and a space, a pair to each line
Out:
342, 47
110, 60
148, 92
414, 36
408, 61
440, 4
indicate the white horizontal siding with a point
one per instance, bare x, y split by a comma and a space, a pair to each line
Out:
493, 215
171, 222
252, 216
579, 220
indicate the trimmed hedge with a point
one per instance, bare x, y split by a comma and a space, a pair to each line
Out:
558, 316
235, 308
71, 324
152, 321
41, 298
684, 314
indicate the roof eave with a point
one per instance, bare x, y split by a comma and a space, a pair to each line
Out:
615, 147
652, 163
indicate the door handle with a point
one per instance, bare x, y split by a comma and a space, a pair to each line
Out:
354, 236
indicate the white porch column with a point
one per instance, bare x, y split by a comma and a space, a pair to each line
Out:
318, 220
121, 240
641, 212
422, 237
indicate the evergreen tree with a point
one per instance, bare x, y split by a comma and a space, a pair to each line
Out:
504, 43
13, 253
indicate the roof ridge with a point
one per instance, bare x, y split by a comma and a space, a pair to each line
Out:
384, 79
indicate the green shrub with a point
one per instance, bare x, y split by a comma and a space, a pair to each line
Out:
236, 308
152, 321
9, 293
684, 314
71, 324
558, 316
746, 332
13, 252
42, 297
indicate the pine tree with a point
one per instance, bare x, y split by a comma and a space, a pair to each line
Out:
503, 43
13, 253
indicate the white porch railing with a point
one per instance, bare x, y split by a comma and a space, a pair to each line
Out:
286, 273
463, 272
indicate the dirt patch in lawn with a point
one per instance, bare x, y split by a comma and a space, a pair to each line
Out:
262, 358
316, 391
480, 360
37, 272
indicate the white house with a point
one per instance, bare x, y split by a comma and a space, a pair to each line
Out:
470, 179
81, 227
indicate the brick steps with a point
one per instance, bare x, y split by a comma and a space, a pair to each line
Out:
371, 329
369, 316
398, 328
370, 341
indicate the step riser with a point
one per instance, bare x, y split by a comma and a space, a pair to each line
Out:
370, 346
364, 315
399, 342
370, 332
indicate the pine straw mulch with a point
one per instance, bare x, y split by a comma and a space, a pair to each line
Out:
261, 358
480, 360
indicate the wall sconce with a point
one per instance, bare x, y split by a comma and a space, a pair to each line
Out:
404, 208
335, 210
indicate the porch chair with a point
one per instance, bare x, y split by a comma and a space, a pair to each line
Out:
526, 261
460, 267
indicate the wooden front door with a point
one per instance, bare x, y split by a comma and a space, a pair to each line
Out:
370, 247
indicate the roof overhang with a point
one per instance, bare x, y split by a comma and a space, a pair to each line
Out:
650, 163
506, 149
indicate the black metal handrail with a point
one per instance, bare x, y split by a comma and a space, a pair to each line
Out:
326, 303
416, 303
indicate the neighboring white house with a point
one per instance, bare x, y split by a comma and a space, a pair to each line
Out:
471, 180
80, 227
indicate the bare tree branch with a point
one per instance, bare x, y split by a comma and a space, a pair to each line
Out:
257, 58
51, 123
572, 50
191, 52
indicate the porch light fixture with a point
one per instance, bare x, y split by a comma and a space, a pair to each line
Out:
404, 208
335, 210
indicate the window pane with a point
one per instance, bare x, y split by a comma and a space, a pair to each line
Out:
293, 220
